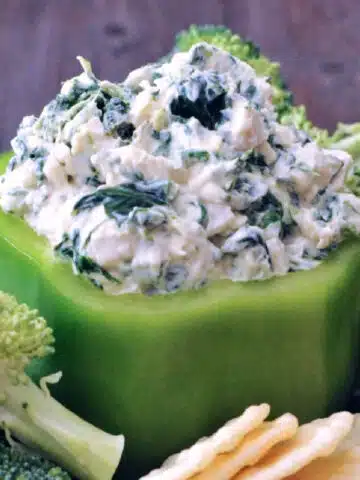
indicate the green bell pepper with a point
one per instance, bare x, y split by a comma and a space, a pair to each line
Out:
166, 370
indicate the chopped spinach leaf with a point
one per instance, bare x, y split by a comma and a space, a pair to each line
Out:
190, 157
155, 76
255, 161
250, 239
265, 211
77, 93
204, 217
326, 205
93, 181
115, 114
164, 137
252, 162
250, 92
69, 248
13, 163
202, 97
125, 130
273, 143
120, 200
174, 277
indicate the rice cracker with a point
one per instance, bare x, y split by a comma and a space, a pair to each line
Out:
319, 438
254, 446
343, 464
193, 460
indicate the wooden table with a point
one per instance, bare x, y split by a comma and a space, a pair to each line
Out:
317, 42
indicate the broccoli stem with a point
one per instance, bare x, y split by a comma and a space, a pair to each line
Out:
40, 422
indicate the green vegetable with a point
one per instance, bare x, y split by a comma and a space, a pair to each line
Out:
243, 49
69, 248
347, 137
170, 369
120, 200
18, 463
209, 102
31, 414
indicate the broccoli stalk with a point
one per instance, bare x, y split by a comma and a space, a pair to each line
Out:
30, 413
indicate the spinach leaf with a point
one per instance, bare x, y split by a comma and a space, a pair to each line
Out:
125, 131
174, 277
94, 179
201, 96
326, 205
69, 248
115, 113
255, 161
77, 93
204, 217
265, 211
251, 162
39, 155
23, 153
244, 239
120, 200
164, 139
192, 156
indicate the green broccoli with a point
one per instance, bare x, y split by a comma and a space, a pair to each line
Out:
30, 414
347, 137
243, 49
17, 463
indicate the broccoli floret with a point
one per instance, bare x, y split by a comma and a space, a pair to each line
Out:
17, 463
31, 415
243, 49
347, 137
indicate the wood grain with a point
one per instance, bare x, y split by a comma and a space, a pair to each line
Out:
317, 42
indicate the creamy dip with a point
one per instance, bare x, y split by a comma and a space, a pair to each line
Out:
175, 177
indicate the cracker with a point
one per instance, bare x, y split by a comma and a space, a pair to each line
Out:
353, 439
253, 447
343, 464
313, 440
196, 458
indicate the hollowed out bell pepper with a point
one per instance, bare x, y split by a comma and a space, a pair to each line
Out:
166, 370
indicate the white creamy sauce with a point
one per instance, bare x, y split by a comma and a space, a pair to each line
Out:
175, 177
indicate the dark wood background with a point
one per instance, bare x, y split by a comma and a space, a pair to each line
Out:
317, 42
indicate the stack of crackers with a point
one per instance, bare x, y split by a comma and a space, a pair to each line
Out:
252, 448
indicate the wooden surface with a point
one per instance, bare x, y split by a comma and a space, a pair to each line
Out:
317, 42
